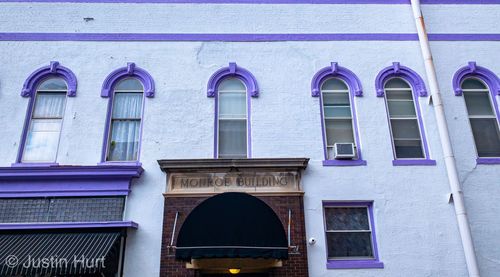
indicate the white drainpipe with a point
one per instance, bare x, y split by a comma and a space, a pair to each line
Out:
449, 158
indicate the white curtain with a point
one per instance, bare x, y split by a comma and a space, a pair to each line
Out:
125, 129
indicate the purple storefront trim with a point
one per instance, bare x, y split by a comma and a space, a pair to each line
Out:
54, 69
130, 71
355, 89
67, 180
252, 91
413, 162
488, 160
240, 37
263, 1
68, 225
352, 264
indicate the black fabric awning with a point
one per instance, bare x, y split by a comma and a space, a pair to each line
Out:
29, 254
232, 225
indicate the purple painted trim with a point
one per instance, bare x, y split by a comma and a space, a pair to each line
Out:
344, 162
54, 69
68, 225
334, 70
418, 89
11, 36
413, 162
473, 70
366, 263
488, 160
355, 89
397, 70
252, 91
34, 164
131, 70
262, 1
352, 264
67, 180
233, 71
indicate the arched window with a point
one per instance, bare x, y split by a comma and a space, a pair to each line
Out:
337, 87
400, 87
232, 121
126, 88
232, 88
478, 86
47, 88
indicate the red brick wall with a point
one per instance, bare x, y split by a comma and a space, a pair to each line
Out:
296, 265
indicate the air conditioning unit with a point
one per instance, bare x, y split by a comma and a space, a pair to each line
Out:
343, 151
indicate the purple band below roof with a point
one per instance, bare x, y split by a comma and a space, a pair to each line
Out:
241, 37
68, 225
263, 1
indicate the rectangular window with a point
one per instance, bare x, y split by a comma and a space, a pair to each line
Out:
42, 139
350, 237
125, 126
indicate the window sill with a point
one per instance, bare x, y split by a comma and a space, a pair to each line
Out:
413, 162
344, 162
41, 164
353, 264
119, 163
488, 160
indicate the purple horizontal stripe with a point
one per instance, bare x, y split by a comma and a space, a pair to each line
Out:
265, 1
488, 160
413, 162
347, 264
240, 37
68, 225
67, 193
344, 162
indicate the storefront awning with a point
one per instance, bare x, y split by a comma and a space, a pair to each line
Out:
232, 225
59, 253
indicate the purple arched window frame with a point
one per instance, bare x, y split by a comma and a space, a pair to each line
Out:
107, 91
355, 89
54, 69
471, 70
250, 82
418, 90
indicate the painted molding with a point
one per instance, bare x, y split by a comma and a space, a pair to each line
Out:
231, 37
68, 225
260, 1
334, 70
473, 70
357, 162
131, 70
233, 71
488, 160
54, 69
397, 70
411, 162
67, 180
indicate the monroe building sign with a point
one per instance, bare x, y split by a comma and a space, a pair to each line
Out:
203, 180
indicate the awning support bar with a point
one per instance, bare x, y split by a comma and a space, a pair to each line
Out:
173, 229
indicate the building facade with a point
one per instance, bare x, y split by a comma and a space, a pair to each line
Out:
148, 133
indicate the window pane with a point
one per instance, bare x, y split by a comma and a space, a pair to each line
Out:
396, 83
124, 142
42, 140
473, 84
232, 139
486, 136
342, 245
232, 84
408, 149
399, 95
347, 218
52, 84
339, 131
129, 84
336, 99
478, 103
127, 105
401, 109
49, 105
405, 129
337, 112
334, 84
232, 105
